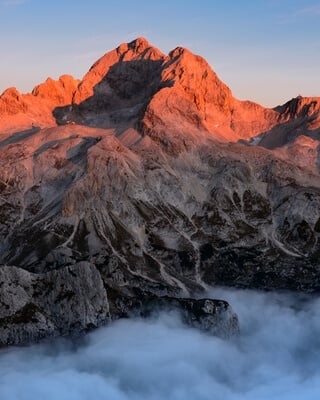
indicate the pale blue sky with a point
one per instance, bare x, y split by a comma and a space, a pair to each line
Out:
264, 50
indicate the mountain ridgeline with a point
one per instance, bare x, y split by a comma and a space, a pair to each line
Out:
148, 180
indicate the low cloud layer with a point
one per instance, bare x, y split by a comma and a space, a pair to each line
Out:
276, 357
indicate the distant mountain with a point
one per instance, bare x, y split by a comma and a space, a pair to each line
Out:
148, 178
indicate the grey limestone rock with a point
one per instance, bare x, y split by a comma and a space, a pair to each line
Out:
68, 301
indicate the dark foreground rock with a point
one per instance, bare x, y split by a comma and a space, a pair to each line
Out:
213, 316
74, 300
63, 302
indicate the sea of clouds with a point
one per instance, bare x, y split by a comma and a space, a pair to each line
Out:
277, 356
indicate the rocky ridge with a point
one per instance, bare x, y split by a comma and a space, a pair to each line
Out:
163, 184
20, 111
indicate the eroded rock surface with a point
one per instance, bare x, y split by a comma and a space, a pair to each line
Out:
73, 300
62, 302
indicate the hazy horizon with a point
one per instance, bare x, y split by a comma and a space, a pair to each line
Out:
265, 51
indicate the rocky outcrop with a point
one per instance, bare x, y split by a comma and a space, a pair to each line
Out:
58, 92
74, 300
299, 116
215, 317
35, 306
12, 102
22, 111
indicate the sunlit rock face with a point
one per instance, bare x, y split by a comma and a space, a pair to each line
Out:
145, 179
20, 111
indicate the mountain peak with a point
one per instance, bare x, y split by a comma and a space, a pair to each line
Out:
138, 49
299, 107
137, 46
160, 93
180, 51
140, 43
11, 91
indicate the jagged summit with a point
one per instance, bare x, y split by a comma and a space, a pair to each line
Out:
177, 90
59, 91
157, 94
299, 116
138, 46
183, 52
140, 43
138, 49
299, 107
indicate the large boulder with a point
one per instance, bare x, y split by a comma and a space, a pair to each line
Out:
63, 302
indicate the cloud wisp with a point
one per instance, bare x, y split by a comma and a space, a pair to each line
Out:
275, 357
308, 11
301, 14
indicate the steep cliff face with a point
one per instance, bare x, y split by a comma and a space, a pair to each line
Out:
194, 99
136, 50
147, 193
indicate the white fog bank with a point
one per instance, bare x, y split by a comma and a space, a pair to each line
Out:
276, 357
